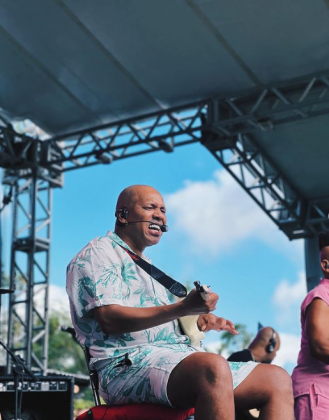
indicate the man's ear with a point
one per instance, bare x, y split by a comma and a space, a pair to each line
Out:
121, 216
325, 265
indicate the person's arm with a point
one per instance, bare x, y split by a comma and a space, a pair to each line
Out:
317, 330
208, 322
117, 319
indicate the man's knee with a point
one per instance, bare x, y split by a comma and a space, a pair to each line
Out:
281, 380
279, 384
203, 369
214, 371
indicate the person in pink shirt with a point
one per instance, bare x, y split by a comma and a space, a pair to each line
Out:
311, 375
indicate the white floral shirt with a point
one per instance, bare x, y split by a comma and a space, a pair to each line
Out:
104, 274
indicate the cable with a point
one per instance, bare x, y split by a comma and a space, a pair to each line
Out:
20, 396
7, 198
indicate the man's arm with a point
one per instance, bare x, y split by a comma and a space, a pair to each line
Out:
117, 319
317, 330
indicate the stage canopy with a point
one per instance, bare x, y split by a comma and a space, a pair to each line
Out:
74, 64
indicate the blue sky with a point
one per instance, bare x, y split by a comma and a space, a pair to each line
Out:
217, 235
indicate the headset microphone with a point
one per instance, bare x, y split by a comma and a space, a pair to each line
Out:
164, 228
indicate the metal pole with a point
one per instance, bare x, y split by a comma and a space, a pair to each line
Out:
12, 275
45, 347
30, 285
312, 263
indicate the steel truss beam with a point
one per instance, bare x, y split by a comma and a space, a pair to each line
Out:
225, 127
29, 273
257, 175
245, 113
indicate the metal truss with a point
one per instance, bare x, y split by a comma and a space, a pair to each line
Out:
29, 271
163, 131
247, 112
257, 175
225, 127
228, 135
21, 157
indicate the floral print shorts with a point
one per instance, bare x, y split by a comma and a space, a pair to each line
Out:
145, 377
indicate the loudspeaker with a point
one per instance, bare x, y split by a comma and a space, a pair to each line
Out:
50, 398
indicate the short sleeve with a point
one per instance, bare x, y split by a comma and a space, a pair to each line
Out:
94, 279
319, 292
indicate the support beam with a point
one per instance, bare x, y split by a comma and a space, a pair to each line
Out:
243, 113
29, 272
312, 263
263, 182
225, 127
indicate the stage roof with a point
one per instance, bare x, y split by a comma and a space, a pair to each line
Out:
72, 64
77, 63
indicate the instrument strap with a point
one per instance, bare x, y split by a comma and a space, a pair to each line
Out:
169, 283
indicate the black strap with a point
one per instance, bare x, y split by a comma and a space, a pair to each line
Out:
172, 285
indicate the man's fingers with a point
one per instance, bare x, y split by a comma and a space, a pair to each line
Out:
226, 325
231, 329
202, 324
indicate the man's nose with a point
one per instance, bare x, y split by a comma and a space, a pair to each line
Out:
158, 215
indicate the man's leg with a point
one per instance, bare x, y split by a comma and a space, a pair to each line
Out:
268, 388
203, 381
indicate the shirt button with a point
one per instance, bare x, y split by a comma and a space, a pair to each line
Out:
97, 298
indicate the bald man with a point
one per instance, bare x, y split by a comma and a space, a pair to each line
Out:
262, 349
126, 320
311, 375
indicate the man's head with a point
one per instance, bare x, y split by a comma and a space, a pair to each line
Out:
140, 203
265, 345
324, 252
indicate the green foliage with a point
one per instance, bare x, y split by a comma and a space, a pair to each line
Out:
64, 353
4, 280
83, 404
231, 343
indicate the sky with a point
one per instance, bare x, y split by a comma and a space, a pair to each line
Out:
217, 235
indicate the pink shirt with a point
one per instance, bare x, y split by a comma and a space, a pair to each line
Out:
310, 371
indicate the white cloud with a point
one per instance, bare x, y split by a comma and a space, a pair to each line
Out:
217, 214
212, 347
288, 297
287, 294
58, 300
288, 353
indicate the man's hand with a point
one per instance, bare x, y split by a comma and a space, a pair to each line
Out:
207, 322
194, 304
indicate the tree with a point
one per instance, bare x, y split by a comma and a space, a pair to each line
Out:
64, 353
231, 343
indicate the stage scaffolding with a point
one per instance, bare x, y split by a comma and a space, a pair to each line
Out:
225, 126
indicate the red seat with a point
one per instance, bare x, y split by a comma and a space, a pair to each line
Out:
135, 412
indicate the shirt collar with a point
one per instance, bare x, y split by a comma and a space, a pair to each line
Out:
115, 238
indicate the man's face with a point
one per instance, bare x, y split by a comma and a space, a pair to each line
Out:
149, 206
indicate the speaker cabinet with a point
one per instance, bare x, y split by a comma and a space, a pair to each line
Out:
50, 398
